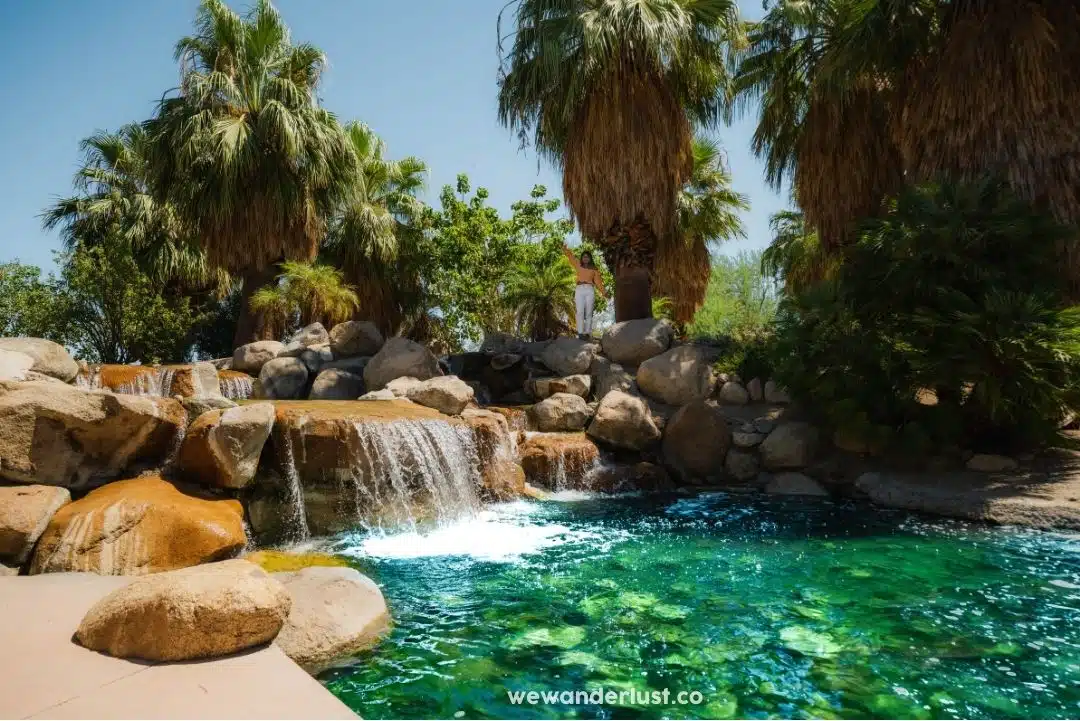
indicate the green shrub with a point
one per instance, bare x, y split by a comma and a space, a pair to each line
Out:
954, 295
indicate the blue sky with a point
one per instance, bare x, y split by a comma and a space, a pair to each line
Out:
422, 74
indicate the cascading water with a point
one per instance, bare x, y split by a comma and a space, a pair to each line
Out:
296, 523
236, 387
90, 380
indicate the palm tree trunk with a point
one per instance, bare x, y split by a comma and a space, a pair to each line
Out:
249, 327
630, 252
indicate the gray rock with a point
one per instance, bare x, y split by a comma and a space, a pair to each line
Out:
310, 335
398, 358
679, 376
743, 439
608, 376
624, 421
222, 448
578, 385
316, 358
50, 358
794, 484
502, 361
355, 338
562, 412
989, 463
756, 391
14, 365
281, 379
384, 395
352, 365
775, 394
250, 358
196, 406
633, 342
741, 465
497, 343
446, 394
764, 425
337, 385
733, 394
569, 356
400, 387
696, 440
791, 445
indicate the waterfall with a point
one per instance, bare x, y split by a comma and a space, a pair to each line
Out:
236, 387
90, 380
296, 522
406, 469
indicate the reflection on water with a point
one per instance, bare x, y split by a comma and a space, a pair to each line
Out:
793, 608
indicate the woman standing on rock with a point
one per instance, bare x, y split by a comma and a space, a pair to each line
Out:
589, 283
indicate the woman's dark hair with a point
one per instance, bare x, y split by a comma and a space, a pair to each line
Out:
588, 255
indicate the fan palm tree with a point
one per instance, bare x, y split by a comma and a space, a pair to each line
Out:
608, 90
244, 151
708, 211
373, 233
795, 255
542, 298
306, 293
113, 205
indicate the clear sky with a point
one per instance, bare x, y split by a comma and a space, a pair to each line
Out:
422, 74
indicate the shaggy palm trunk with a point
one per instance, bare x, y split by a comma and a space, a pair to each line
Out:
249, 327
630, 252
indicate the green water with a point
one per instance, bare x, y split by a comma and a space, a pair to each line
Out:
797, 608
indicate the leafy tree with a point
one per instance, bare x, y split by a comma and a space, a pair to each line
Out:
740, 302
608, 91
250, 160
28, 304
542, 298
305, 293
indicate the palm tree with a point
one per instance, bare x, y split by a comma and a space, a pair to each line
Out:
541, 297
795, 255
114, 206
608, 90
373, 233
708, 214
305, 293
244, 151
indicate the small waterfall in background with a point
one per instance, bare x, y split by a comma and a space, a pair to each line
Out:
90, 380
406, 470
235, 386
130, 379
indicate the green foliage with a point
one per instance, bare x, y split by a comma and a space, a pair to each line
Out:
542, 298
740, 302
954, 294
305, 293
28, 303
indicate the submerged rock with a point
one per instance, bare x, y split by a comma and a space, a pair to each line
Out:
57, 435
696, 442
203, 612
624, 421
681, 375
562, 412
336, 613
50, 358
222, 448
138, 526
355, 338
446, 394
559, 461
397, 358
276, 561
250, 358
633, 342
25, 512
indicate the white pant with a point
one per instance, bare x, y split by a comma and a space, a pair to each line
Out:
584, 299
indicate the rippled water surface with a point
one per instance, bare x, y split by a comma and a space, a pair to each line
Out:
768, 608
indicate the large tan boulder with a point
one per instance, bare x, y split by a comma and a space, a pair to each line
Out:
336, 613
50, 358
139, 526
397, 358
559, 461
502, 480
202, 612
608, 376
198, 380
355, 338
624, 421
696, 442
633, 342
681, 375
58, 435
311, 335
790, 445
14, 366
569, 356
579, 385
446, 394
561, 413
222, 448
501, 477
250, 358
25, 511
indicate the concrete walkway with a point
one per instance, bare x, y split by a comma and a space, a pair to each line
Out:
44, 674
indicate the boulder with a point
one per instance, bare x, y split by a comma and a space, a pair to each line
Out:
199, 380
446, 394
559, 461
791, 445
681, 375
222, 448
624, 421
25, 512
989, 463
250, 358
608, 376
400, 357
562, 412
733, 394
794, 484
505, 361
633, 342
310, 335
764, 425
400, 387
569, 356
696, 441
775, 394
139, 526
50, 358
316, 358
496, 343
502, 480
755, 390
281, 379
491, 432
747, 438
578, 385
58, 435
15, 365
336, 613
195, 407
352, 365
202, 612
8, 571
355, 338
337, 385
741, 465
384, 395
